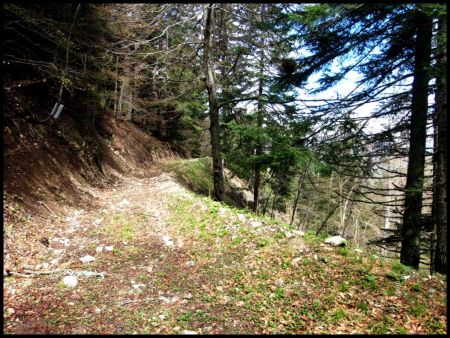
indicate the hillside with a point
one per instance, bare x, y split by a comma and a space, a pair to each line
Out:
167, 260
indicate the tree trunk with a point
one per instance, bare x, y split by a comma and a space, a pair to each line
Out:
412, 217
259, 119
119, 109
115, 87
67, 52
440, 260
213, 104
297, 196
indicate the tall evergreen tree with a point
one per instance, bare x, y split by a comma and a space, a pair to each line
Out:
383, 41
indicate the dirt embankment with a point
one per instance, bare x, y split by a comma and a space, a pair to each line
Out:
49, 168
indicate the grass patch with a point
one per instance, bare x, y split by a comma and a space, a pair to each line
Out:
194, 174
126, 233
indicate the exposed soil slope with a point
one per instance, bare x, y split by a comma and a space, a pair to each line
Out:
50, 168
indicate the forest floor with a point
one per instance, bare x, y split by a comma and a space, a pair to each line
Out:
169, 261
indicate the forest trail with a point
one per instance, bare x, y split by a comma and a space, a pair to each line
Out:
171, 262
128, 220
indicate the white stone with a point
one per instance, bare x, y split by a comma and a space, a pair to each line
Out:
162, 317
124, 202
255, 224
296, 260
138, 286
406, 277
10, 311
98, 221
298, 233
190, 263
70, 281
99, 249
242, 218
166, 300
87, 259
109, 248
167, 241
336, 241
58, 252
45, 265
288, 234
65, 241
188, 332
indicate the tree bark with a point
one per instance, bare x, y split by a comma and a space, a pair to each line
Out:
297, 196
213, 104
115, 87
67, 52
259, 118
412, 217
440, 255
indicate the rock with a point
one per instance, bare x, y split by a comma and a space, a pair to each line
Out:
45, 266
188, 332
64, 241
288, 234
109, 248
87, 259
92, 274
255, 224
99, 249
167, 241
166, 300
58, 252
190, 263
138, 286
279, 282
98, 221
10, 311
359, 251
406, 277
70, 281
298, 233
162, 317
336, 241
242, 218
188, 296
295, 261
124, 202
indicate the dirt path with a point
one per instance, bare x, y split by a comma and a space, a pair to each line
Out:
128, 236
